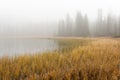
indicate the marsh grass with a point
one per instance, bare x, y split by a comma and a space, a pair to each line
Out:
67, 45
99, 59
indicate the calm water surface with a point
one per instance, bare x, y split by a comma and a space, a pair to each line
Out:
16, 46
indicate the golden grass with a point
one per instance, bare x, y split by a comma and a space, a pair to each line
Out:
98, 60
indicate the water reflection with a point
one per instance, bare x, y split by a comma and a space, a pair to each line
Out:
11, 47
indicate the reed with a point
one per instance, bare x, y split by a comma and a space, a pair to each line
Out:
99, 59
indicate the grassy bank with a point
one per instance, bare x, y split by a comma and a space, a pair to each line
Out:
95, 59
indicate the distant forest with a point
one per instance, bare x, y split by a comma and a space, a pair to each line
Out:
81, 26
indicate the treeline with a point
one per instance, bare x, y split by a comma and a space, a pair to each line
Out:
81, 26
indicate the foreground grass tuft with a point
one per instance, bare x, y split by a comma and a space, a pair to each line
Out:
96, 60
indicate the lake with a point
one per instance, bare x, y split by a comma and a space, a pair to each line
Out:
18, 46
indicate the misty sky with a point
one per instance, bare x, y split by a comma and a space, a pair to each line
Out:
18, 13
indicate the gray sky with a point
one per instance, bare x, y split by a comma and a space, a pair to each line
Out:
36, 10
16, 13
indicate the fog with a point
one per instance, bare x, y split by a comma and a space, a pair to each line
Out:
42, 17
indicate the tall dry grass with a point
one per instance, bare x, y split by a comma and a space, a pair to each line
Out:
98, 60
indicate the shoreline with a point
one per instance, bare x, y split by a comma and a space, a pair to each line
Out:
49, 37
